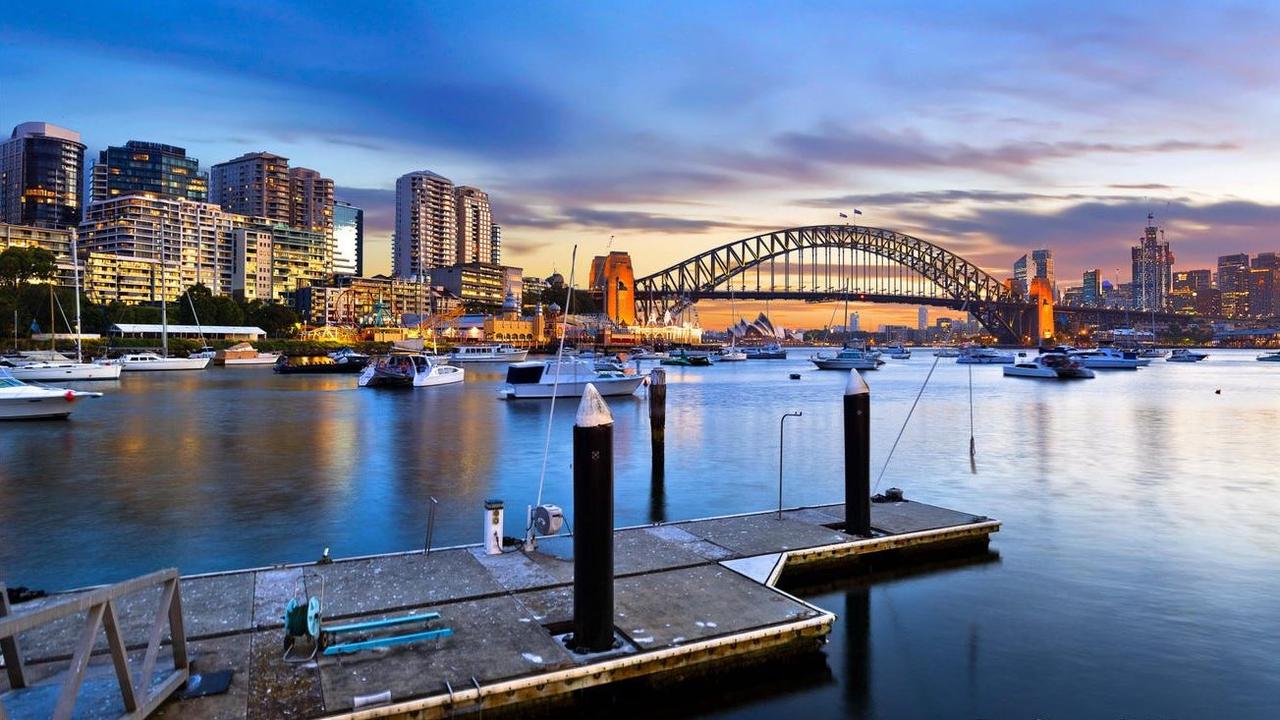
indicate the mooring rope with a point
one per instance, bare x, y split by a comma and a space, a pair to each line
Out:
904, 422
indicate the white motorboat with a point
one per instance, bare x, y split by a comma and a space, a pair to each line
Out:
150, 362
1050, 366
565, 378
406, 370
1110, 358
1152, 353
51, 366
1269, 357
897, 352
487, 354
947, 352
848, 359
772, 351
732, 355
984, 356
204, 352
20, 401
1185, 355
244, 354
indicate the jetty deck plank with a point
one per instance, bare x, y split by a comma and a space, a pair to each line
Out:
678, 587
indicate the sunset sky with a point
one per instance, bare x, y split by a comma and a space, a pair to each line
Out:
991, 129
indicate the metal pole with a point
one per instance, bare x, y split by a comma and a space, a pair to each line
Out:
857, 456
431, 525
782, 424
593, 518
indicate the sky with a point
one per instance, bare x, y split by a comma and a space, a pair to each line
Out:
669, 128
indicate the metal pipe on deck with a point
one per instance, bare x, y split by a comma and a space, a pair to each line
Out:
593, 525
857, 456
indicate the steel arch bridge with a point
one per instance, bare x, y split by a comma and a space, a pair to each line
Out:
832, 262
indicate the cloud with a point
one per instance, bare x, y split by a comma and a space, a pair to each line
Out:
1143, 186
948, 197
1099, 234
912, 150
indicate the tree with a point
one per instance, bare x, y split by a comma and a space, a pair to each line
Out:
209, 310
277, 320
19, 265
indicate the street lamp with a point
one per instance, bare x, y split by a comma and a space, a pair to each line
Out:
782, 424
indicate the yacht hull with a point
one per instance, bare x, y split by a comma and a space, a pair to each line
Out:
166, 364
65, 372
607, 387
835, 364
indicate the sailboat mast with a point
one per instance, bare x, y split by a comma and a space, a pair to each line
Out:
75, 262
53, 328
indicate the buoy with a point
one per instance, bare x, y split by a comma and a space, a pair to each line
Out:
70, 395
795, 376
1218, 391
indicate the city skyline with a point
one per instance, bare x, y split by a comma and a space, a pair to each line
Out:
1043, 128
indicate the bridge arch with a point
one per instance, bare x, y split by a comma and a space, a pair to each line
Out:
960, 283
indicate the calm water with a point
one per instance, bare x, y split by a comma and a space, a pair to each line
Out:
1137, 574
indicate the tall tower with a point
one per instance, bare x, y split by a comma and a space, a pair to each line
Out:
348, 239
1152, 269
495, 245
475, 225
40, 181
613, 282
426, 224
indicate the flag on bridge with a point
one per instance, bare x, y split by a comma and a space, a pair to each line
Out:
846, 217
857, 212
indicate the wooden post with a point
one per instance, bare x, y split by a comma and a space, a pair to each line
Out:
857, 456
658, 422
10, 649
593, 525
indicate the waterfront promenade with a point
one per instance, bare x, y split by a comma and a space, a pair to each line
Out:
691, 597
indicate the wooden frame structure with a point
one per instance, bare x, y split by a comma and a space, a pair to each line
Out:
141, 697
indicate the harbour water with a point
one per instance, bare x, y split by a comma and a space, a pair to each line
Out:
1136, 573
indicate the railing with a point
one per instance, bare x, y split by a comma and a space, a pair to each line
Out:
140, 697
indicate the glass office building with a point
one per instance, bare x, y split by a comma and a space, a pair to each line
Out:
348, 239
144, 167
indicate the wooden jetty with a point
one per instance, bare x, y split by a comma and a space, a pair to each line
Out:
691, 597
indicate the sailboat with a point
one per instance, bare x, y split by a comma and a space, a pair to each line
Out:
52, 365
149, 361
733, 354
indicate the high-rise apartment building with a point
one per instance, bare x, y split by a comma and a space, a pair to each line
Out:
147, 167
922, 318
474, 224
1091, 287
254, 184
310, 201
142, 248
40, 176
1233, 283
1152, 269
426, 224
348, 239
495, 245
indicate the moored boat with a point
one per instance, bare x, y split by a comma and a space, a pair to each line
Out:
1110, 358
341, 361
541, 379
897, 352
20, 401
487, 354
772, 351
1049, 366
947, 352
850, 358
684, 358
408, 370
1186, 356
1270, 357
46, 366
984, 356
149, 361
244, 354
